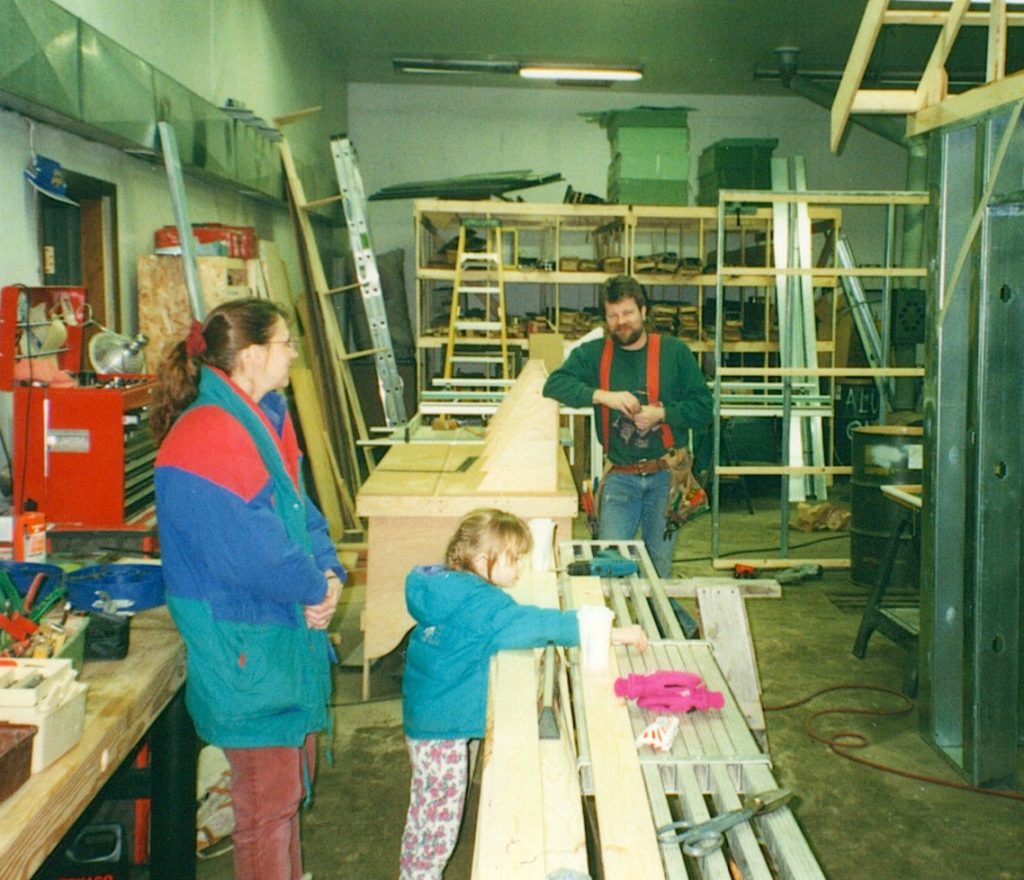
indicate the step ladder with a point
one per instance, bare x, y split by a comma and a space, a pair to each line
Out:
477, 328
350, 182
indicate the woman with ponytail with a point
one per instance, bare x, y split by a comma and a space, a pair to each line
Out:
251, 574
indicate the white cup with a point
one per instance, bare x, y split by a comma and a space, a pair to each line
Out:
543, 531
595, 623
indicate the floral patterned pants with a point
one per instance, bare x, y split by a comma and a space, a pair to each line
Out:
436, 797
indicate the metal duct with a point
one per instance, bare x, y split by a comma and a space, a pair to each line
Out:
56, 68
116, 89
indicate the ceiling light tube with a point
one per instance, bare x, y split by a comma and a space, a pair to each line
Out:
602, 74
449, 66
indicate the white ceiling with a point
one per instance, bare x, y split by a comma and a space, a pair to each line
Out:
684, 46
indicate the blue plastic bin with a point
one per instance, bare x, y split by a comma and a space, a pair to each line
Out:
23, 573
134, 587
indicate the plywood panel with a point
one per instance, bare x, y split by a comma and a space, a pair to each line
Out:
164, 311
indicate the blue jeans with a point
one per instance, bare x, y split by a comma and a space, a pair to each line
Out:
631, 501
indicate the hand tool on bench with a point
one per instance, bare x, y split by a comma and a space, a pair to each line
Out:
705, 837
589, 507
605, 563
547, 725
33, 590
784, 576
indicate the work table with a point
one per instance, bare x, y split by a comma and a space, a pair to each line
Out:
126, 699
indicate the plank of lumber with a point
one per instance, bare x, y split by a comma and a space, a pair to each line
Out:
521, 772
317, 449
750, 588
629, 845
510, 828
824, 562
724, 621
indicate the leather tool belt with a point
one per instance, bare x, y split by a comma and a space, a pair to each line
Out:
648, 466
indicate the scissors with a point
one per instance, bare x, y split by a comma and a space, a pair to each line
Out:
705, 837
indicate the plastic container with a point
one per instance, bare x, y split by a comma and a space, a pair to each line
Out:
60, 722
132, 586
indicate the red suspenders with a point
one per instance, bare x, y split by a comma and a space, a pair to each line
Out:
653, 385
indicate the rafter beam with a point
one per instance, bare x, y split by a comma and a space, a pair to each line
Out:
996, 67
935, 17
957, 108
856, 67
934, 80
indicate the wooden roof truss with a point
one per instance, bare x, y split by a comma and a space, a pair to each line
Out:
929, 105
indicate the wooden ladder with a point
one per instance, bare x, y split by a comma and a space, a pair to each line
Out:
479, 287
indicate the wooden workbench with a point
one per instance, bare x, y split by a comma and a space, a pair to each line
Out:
126, 699
417, 494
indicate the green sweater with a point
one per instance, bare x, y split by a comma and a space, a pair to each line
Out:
683, 392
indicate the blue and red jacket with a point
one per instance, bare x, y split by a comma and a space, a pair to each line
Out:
236, 582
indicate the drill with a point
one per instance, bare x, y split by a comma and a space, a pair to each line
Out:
606, 563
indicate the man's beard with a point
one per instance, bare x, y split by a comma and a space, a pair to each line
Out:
630, 338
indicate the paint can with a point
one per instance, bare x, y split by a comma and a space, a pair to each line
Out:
882, 455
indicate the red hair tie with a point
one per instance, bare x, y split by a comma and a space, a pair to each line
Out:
195, 342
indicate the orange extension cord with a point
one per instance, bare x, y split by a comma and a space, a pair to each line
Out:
841, 741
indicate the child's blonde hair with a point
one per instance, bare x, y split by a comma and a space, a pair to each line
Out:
489, 533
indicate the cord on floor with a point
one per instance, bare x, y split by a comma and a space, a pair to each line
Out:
842, 740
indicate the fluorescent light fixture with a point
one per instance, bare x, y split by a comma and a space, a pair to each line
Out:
452, 66
580, 74
557, 72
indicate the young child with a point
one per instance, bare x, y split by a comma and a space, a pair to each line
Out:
463, 616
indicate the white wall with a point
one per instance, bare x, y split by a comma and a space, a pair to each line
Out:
407, 133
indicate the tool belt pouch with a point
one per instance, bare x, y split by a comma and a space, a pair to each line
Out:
106, 637
686, 496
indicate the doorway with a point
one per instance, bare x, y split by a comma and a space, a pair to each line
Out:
79, 245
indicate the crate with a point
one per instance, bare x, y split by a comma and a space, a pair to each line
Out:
661, 153
648, 192
15, 757
734, 163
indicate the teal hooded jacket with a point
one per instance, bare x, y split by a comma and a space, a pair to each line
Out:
461, 621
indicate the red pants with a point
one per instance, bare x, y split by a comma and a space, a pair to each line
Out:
267, 786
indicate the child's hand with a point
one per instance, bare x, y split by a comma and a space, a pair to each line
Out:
630, 635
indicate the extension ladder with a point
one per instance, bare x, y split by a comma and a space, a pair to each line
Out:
477, 330
350, 182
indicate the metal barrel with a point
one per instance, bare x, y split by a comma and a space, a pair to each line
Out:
856, 406
882, 455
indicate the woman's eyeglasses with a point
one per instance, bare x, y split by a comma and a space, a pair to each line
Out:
293, 344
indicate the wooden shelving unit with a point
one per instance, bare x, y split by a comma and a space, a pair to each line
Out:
669, 249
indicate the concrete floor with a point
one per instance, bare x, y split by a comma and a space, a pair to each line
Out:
862, 823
